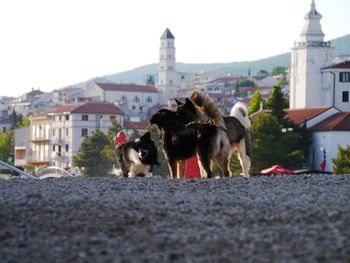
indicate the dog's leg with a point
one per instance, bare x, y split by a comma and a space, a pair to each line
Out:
181, 168
205, 164
172, 168
243, 158
224, 163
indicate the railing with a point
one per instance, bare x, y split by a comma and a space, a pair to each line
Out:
12, 168
312, 44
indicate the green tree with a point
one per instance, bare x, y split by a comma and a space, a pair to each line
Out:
92, 155
256, 102
7, 146
341, 164
277, 103
246, 83
271, 144
276, 71
109, 149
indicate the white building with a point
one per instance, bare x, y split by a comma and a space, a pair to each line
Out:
309, 55
69, 124
133, 100
319, 92
167, 75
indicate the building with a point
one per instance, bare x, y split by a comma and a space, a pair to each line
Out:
133, 100
21, 146
38, 153
319, 92
69, 124
308, 57
167, 75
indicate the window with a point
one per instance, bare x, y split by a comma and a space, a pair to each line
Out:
344, 77
112, 118
53, 147
84, 132
123, 99
345, 96
98, 121
149, 99
136, 99
171, 82
67, 131
53, 132
133, 107
4, 129
67, 117
67, 147
84, 117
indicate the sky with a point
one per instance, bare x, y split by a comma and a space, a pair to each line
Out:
50, 44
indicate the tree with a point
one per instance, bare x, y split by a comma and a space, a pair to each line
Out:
246, 83
273, 145
92, 155
277, 103
341, 164
276, 71
109, 149
7, 146
256, 102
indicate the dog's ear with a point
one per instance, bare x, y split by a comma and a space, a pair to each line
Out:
189, 103
146, 137
179, 103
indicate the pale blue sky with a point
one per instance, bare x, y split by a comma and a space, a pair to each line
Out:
53, 43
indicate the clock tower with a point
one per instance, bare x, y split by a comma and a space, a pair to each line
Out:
308, 57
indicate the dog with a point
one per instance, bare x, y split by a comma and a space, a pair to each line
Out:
137, 157
182, 141
237, 125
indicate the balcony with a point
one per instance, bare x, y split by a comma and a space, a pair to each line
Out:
39, 140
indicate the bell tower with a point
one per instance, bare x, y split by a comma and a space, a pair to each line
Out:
167, 75
308, 56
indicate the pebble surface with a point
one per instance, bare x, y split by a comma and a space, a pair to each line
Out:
291, 218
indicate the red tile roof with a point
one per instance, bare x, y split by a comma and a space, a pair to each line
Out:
298, 116
98, 108
135, 124
338, 122
344, 64
127, 87
89, 108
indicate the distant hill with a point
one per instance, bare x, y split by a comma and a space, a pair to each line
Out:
138, 75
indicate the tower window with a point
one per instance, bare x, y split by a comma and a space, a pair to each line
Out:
344, 77
345, 96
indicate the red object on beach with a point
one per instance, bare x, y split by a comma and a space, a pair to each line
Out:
277, 169
120, 138
192, 168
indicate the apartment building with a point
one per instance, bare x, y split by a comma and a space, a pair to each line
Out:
69, 124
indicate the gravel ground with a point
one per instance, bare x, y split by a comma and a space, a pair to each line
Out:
290, 218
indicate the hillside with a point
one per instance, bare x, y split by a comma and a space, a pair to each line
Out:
138, 75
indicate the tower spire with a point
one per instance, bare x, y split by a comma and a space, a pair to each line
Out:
312, 30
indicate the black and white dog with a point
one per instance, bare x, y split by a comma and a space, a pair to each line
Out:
137, 157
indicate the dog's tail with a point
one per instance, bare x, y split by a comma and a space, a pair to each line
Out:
208, 106
240, 112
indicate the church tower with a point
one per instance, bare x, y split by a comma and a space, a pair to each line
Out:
167, 75
308, 56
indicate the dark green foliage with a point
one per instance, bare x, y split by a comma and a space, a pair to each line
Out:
276, 71
277, 103
92, 155
341, 164
271, 144
6, 147
246, 83
110, 147
256, 102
